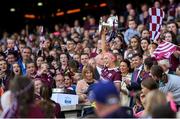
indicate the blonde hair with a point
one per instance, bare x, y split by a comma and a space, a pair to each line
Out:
153, 99
87, 68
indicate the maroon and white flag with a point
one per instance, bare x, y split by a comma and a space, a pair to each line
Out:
164, 50
156, 16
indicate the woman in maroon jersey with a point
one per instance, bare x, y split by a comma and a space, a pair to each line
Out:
50, 108
24, 105
110, 70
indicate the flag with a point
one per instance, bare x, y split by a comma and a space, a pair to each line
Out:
156, 16
164, 50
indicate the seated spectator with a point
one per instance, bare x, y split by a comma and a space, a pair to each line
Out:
69, 88
86, 83
37, 86
59, 81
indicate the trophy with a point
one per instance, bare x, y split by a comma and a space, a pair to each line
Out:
112, 26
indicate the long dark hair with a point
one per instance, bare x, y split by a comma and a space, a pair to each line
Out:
46, 104
23, 89
159, 73
139, 49
128, 63
12, 74
121, 38
45, 92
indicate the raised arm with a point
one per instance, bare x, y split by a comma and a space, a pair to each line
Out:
103, 40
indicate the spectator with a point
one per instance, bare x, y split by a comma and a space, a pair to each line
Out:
16, 71
85, 85
170, 37
37, 86
135, 44
143, 17
45, 76
126, 75
157, 4
70, 47
107, 102
120, 44
64, 63
178, 70
165, 66
135, 82
144, 46
147, 86
145, 34
4, 75
167, 83
59, 81
24, 105
69, 88
11, 58
131, 31
171, 9
31, 70
163, 111
26, 55
50, 108
153, 99
39, 61
172, 26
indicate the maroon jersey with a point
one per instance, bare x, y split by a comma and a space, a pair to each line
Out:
34, 111
113, 75
46, 79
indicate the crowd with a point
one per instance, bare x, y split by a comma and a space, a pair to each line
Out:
120, 77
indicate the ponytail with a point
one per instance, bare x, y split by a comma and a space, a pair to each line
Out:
164, 78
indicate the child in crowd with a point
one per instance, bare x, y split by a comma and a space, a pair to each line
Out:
131, 31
